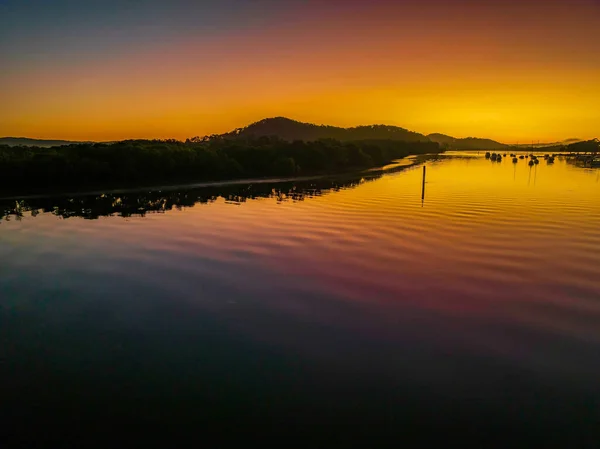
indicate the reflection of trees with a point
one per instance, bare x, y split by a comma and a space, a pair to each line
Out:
127, 204
139, 203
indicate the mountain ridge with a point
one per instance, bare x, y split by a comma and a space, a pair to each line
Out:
467, 143
290, 130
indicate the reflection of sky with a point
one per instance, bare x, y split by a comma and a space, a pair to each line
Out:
109, 70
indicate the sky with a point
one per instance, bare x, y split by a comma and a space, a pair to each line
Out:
514, 71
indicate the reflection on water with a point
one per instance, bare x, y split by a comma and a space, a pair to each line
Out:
134, 202
333, 310
139, 203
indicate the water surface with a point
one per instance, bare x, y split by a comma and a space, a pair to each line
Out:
337, 311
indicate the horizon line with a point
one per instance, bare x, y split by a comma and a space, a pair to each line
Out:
87, 140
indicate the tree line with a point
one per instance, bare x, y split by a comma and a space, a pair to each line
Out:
147, 162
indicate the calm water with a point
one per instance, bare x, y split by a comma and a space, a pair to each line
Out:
337, 311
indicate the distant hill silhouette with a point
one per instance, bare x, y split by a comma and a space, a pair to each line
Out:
291, 130
25, 141
468, 143
552, 144
585, 146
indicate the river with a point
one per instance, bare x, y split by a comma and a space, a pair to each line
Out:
333, 311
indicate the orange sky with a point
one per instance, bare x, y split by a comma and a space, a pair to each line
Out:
511, 71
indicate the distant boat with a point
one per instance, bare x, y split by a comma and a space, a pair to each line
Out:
535, 161
487, 155
550, 160
515, 160
521, 157
531, 163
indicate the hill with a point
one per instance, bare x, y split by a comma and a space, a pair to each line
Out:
292, 130
550, 144
584, 146
468, 143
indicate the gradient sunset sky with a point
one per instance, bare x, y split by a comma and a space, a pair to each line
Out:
106, 70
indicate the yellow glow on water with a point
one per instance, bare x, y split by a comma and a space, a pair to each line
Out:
491, 284
487, 234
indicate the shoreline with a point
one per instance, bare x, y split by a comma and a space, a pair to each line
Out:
392, 166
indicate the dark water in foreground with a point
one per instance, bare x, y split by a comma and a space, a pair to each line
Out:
350, 315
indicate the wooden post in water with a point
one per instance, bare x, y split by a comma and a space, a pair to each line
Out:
423, 189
